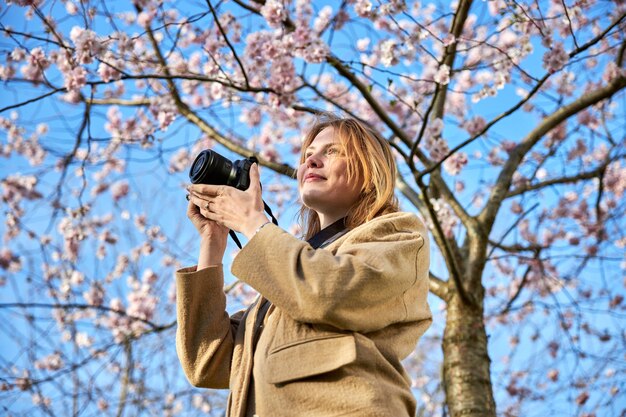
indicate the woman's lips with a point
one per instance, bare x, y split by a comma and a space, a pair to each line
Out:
313, 177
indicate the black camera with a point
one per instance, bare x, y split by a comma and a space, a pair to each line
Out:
212, 168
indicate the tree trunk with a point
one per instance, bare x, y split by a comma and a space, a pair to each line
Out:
467, 381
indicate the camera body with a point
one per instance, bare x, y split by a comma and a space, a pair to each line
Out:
209, 167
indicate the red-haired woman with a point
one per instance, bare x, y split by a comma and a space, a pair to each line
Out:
337, 312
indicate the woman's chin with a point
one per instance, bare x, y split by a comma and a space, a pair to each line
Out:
313, 198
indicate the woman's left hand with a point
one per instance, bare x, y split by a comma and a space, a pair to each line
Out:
241, 211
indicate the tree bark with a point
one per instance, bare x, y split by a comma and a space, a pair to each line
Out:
466, 363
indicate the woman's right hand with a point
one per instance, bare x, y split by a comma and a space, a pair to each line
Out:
213, 236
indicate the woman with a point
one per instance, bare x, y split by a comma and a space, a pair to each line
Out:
327, 335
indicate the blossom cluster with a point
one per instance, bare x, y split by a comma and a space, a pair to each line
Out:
445, 216
138, 128
130, 320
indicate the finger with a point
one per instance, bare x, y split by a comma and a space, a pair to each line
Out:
207, 190
213, 216
255, 180
200, 203
192, 209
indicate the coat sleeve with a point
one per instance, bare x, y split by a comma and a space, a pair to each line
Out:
377, 276
205, 337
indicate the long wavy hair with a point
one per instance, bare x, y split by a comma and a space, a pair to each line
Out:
369, 159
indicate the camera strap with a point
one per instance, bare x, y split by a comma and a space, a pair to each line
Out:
329, 234
323, 238
268, 210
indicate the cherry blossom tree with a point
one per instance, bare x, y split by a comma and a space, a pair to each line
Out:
507, 121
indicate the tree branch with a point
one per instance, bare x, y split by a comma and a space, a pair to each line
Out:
184, 109
126, 379
449, 246
32, 100
449, 255
531, 94
513, 248
230, 46
367, 95
77, 306
503, 183
438, 287
120, 102
437, 104
518, 292
450, 54
516, 248
598, 172
247, 7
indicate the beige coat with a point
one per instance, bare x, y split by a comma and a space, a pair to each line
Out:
343, 318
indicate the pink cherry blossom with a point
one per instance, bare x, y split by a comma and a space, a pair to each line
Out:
446, 216
315, 52
24, 3
556, 135
110, 66
475, 125
95, 295
18, 54
41, 400
252, 117
555, 58
579, 150
363, 43
282, 75
496, 6
363, 8
323, 18
615, 179
587, 118
454, 164
612, 72
75, 79
149, 277
274, 12
582, 398
18, 187
6, 72
99, 189
180, 161
37, 63
145, 17
87, 44
83, 340
566, 83
103, 404
9, 261
389, 52
52, 362
119, 190
71, 8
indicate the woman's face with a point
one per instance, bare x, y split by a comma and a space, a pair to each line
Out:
323, 178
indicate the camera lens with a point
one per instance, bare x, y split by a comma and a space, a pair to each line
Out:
197, 165
210, 168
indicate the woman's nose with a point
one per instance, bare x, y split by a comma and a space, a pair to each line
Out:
313, 162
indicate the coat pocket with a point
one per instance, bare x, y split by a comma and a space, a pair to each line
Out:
309, 357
